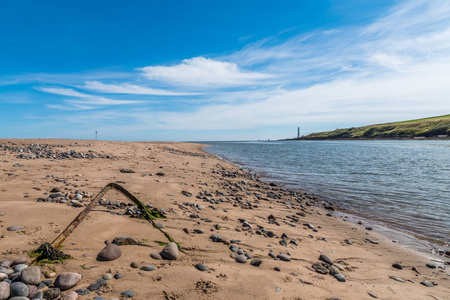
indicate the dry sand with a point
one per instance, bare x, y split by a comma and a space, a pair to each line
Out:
367, 266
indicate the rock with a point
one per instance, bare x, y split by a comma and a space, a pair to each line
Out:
128, 294
283, 257
5, 290
241, 259
134, 265
110, 252
326, 259
256, 262
19, 289
52, 293
427, 283
18, 268
67, 280
333, 270
431, 266
18, 261
125, 240
156, 256
69, 296
14, 228
201, 267
415, 269
118, 276
397, 278
340, 277
107, 277
31, 275
148, 268
199, 231
216, 238
397, 266
372, 295
6, 271
320, 268
160, 225
3, 276
170, 251
38, 296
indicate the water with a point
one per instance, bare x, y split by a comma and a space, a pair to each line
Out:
405, 185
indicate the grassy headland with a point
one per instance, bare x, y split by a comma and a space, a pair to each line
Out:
428, 128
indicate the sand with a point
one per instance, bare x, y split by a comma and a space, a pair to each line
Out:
186, 167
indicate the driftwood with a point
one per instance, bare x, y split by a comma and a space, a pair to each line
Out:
148, 214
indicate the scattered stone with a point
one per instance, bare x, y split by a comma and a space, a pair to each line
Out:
256, 262
69, 296
134, 265
127, 171
15, 228
427, 283
160, 225
397, 266
199, 231
67, 280
340, 277
283, 257
326, 259
118, 276
156, 256
5, 290
170, 251
201, 267
241, 259
125, 240
319, 268
415, 269
431, 266
148, 268
110, 252
31, 275
397, 278
52, 293
372, 295
19, 289
107, 277
128, 294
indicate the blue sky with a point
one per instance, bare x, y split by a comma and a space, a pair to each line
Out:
218, 70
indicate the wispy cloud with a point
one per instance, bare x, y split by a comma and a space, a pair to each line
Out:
126, 88
204, 72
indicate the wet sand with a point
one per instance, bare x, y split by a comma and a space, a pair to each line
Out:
225, 195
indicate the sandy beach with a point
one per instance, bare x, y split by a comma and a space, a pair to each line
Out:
202, 196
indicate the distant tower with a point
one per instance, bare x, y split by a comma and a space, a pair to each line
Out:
298, 132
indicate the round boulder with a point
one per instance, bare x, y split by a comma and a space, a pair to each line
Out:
110, 252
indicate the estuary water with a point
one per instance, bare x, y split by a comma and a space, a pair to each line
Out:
401, 184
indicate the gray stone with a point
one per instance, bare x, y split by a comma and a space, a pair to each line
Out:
6, 271
397, 266
256, 262
107, 277
20, 260
15, 228
67, 280
199, 231
201, 267
241, 259
147, 268
19, 298
170, 251
283, 257
69, 296
320, 268
326, 259
5, 290
5, 263
333, 270
134, 265
19, 289
118, 276
31, 275
156, 256
397, 278
19, 267
431, 266
340, 277
110, 252
427, 283
160, 225
128, 294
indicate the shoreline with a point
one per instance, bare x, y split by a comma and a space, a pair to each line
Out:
202, 196
420, 244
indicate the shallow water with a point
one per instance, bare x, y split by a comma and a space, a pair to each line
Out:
405, 185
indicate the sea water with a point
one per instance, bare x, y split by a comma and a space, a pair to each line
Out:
402, 184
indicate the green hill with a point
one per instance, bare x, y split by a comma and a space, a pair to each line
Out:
428, 127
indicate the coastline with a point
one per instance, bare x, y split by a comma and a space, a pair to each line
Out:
186, 167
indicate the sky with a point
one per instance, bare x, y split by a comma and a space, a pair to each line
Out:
206, 70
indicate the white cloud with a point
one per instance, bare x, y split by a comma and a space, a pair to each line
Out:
126, 88
204, 72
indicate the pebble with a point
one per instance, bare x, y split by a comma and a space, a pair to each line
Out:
170, 251
283, 257
118, 276
19, 289
160, 225
20, 260
397, 278
14, 228
69, 296
372, 295
156, 256
134, 265
148, 268
67, 280
31, 275
125, 240
216, 238
340, 277
326, 259
201, 267
110, 252
19, 267
128, 294
256, 262
38, 296
107, 277
241, 259
427, 283
431, 266
52, 293
5, 290
199, 231
320, 268
397, 266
